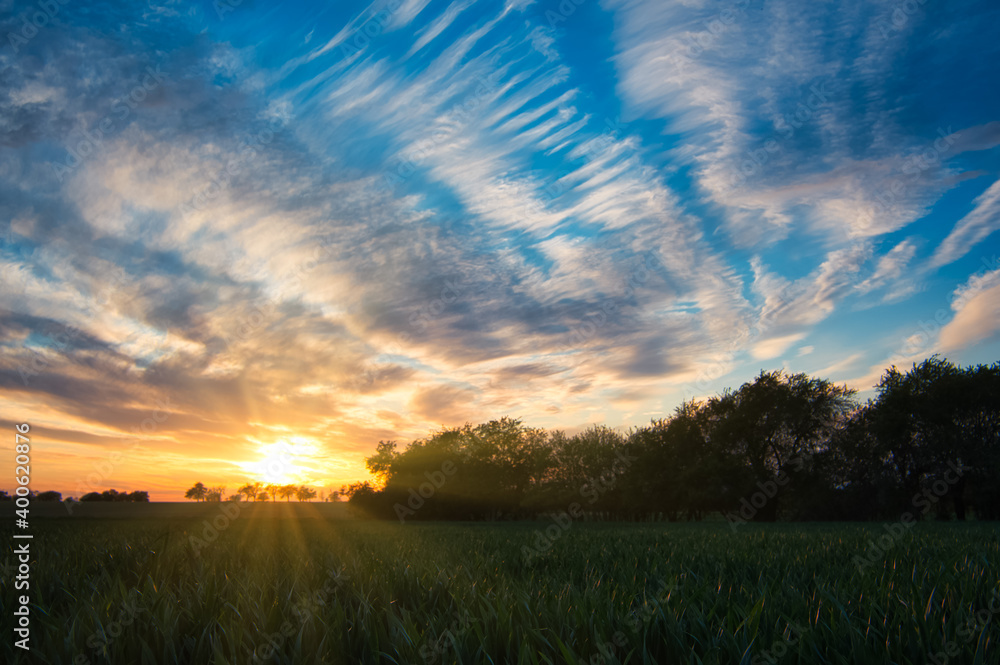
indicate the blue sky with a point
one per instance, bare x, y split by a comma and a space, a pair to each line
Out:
320, 226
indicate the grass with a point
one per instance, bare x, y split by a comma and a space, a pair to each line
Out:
286, 591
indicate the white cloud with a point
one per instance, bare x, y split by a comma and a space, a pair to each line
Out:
977, 313
775, 346
983, 220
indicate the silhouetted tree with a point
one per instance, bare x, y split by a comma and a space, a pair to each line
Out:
772, 427
197, 492
250, 490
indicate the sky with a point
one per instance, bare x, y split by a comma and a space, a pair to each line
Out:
247, 241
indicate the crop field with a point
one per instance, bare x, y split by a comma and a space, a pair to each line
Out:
267, 590
289, 591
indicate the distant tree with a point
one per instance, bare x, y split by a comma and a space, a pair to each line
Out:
262, 497
272, 489
92, 496
5, 497
304, 493
49, 496
197, 492
287, 491
250, 490
235, 497
215, 493
139, 496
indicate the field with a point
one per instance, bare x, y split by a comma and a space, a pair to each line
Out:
271, 590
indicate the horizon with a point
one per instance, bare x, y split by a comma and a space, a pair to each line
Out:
234, 233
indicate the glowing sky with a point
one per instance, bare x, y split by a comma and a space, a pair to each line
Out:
232, 230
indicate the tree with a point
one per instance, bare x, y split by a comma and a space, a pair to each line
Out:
197, 492
772, 427
49, 496
287, 491
933, 418
304, 493
250, 490
5, 497
272, 489
91, 496
139, 496
380, 464
215, 493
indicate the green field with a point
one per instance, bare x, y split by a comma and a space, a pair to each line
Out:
268, 590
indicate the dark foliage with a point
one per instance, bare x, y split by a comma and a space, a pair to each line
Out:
784, 446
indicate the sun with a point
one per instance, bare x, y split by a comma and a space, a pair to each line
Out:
277, 465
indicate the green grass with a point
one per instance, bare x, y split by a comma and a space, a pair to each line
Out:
358, 592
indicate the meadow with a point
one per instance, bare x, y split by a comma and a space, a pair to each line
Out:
272, 590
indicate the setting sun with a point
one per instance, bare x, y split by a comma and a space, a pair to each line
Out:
276, 465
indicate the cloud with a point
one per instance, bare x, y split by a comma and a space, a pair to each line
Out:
775, 346
977, 313
892, 270
982, 221
445, 405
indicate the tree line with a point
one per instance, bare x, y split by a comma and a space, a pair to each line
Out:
138, 496
253, 492
780, 447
